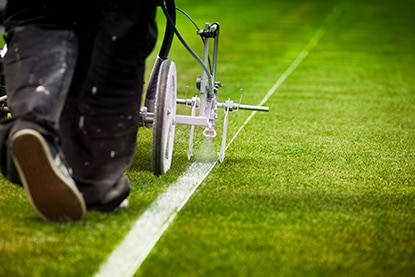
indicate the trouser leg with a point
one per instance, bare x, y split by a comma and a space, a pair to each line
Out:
100, 122
38, 71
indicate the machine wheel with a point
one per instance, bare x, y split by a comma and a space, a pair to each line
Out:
164, 118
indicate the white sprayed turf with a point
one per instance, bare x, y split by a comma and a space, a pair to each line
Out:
137, 244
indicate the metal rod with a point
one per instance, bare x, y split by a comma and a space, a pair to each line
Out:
215, 50
234, 106
244, 107
192, 120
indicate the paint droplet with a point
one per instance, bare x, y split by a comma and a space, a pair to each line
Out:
94, 90
42, 89
81, 122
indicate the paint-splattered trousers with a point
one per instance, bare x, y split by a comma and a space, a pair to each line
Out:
76, 76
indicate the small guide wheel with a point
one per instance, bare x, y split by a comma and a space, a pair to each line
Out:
164, 118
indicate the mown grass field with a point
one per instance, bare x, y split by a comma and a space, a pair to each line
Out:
322, 185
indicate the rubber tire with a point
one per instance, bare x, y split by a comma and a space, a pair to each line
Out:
164, 118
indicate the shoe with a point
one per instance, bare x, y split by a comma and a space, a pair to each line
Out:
46, 179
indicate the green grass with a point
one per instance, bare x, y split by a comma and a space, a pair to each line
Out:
322, 185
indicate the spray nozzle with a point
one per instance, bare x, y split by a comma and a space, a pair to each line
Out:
209, 133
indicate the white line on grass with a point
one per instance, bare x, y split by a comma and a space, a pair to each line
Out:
130, 254
147, 230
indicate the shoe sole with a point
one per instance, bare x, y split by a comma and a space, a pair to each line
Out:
49, 193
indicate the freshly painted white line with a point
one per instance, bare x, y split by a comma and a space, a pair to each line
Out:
147, 230
130, 254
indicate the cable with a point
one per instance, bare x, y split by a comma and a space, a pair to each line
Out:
188, 17
188, 48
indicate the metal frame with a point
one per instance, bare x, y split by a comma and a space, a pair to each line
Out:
203, 108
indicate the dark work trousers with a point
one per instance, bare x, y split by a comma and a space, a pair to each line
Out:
79, 81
